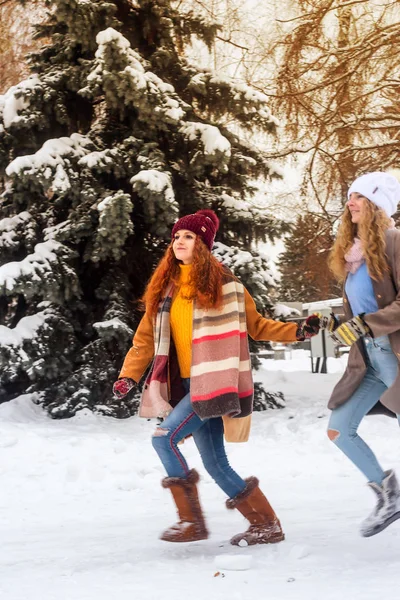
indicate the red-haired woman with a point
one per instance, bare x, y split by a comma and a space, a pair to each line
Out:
195, 331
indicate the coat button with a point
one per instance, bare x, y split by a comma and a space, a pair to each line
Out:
344, 300
379, 296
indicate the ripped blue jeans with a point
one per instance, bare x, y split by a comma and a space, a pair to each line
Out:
382, 368
208, 436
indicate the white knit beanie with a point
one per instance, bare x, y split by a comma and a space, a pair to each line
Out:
383, 189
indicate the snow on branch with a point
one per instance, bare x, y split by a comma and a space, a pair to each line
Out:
156, 182
9, 229
51, 164
248, 105
240, 261
26, 329
283, 311
99, 160
38, 346
16, 99
120, 72
211, 138
238, 207
114, 227
208, 145
112, 328
41, 273
257, 218
155, 187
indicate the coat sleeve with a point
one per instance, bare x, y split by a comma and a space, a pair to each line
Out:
141, 352
387, 320
267, 330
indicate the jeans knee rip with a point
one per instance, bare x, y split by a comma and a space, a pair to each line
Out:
333, 434
160, 432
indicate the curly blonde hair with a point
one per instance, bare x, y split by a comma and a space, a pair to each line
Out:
371, 232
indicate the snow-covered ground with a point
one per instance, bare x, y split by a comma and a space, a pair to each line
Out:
81, 507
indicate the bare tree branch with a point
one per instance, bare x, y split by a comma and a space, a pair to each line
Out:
221, 39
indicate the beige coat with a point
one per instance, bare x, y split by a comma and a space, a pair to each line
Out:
385, 321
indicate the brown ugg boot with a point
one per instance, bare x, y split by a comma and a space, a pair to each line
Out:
265, 527
191, 525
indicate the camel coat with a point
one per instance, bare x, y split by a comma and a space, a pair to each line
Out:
385, 321
141, 355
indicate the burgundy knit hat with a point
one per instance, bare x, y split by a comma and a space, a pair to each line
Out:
204, 223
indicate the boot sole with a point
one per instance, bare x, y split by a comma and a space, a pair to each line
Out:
271, 540
388, 522
197, 537
181, 541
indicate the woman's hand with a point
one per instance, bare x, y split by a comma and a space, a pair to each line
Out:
330, 323
351, 331
123, 386
308, 328
315, 322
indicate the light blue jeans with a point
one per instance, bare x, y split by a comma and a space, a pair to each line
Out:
381, 372
208, 436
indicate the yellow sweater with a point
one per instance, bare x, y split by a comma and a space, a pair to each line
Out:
181, 317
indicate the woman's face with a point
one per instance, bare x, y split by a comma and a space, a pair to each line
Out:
356, 205
183, 245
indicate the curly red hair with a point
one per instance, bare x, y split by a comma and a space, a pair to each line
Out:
206, 279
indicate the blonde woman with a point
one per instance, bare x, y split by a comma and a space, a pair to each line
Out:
366, 257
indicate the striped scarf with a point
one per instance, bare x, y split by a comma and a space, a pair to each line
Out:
220, 380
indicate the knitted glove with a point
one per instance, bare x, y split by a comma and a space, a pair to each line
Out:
330, 323
123, 386
308, 328
351, 331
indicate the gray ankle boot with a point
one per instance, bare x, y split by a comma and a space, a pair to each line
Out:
387, 508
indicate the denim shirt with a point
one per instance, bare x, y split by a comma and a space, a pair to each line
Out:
361, 297
359, 291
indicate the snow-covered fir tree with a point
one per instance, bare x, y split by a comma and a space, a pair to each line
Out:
112, 138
